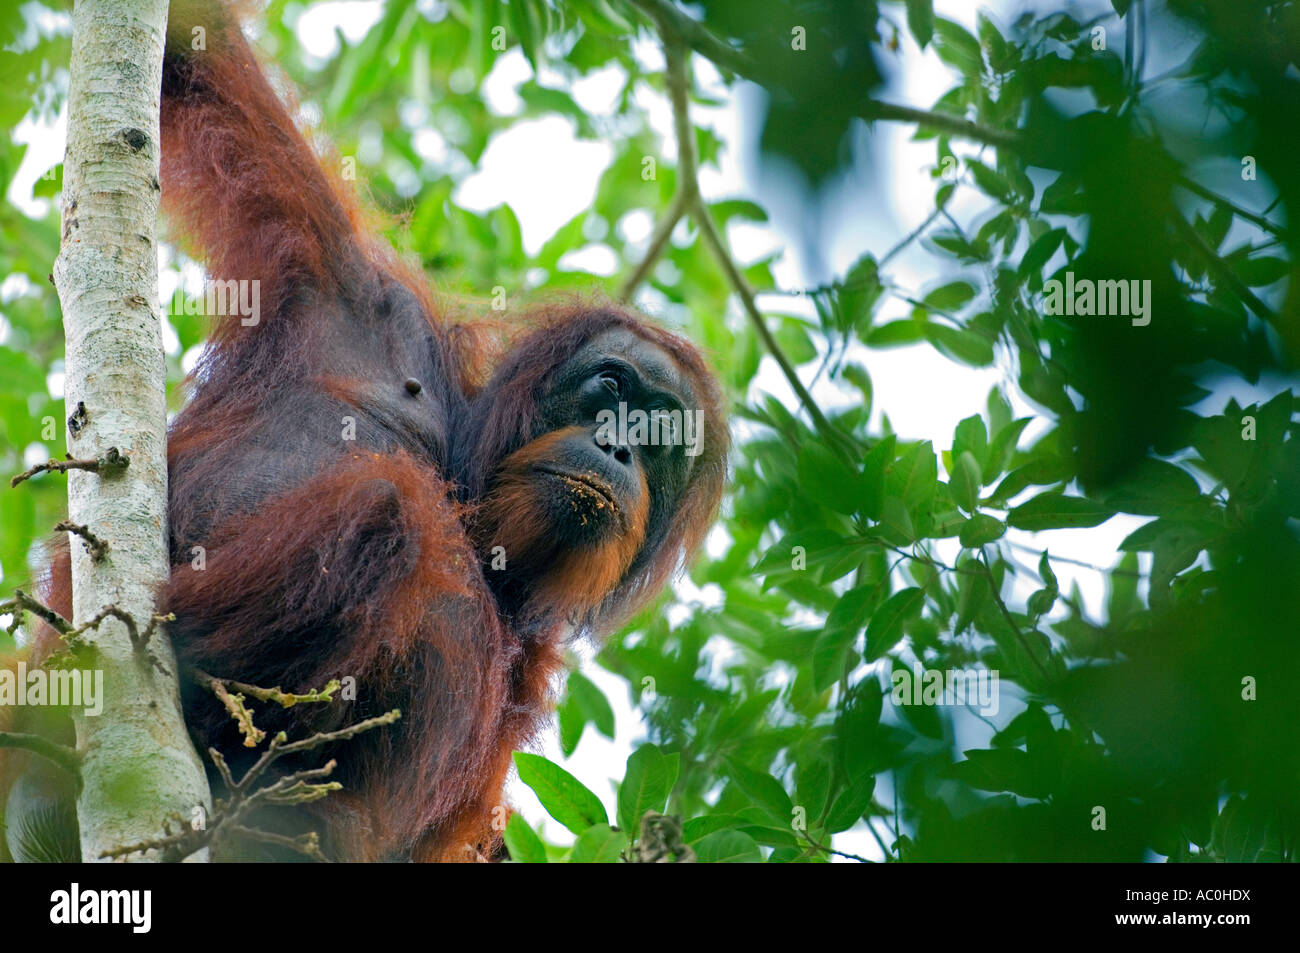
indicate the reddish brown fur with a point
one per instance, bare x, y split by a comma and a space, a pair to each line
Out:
575, 582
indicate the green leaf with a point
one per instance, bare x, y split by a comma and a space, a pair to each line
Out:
565, 798
568, 237
980, 530
896, 521
522, 841
1247, 832
528, 28
826, 480
1039, 472
971, 435
1174, 546
850, 804
965, 483
843, 623
957, 47
763, 791
1042, 600
572, 723
857, 296
728, 847
698, 828
792, 337
1039, 253
990, 182
950, 297
912, 476
742, 209
920, 20
850, 612
1057, 511
1045, 572
896, 333
647, 782
961, 345
591, 701
812, 786
1003, 448
857, 375
973, 589
886, 626
877, 462
817, 547
1156, 488
1123, 600
1002, 769
1257, 272
599, 844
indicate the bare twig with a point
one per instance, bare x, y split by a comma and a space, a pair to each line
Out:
234, 704
110, 461
659, 241
840, 442
1010, 619
946, 123
307, 844
687, 195
231, 693
909, 237
71, 634
831, 850
139, 640
679, 85
227, 820
1221, 270
22, 601
342, 734
94, 545
1113, 570
172, 847
1197, 189
277, 695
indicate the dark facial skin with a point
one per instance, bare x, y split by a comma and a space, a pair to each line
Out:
579, 506
616, 366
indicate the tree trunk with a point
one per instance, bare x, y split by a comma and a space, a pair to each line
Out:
139, 765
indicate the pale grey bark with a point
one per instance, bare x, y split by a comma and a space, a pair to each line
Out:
139, 765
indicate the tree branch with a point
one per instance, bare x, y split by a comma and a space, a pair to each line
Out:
1221, 270
65, 757
677, 78
1197, 189
111, 460
671, 21
658, 242
94, 545
22, 601
234, 705
300, 787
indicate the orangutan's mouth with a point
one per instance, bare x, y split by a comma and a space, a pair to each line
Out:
584, 483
